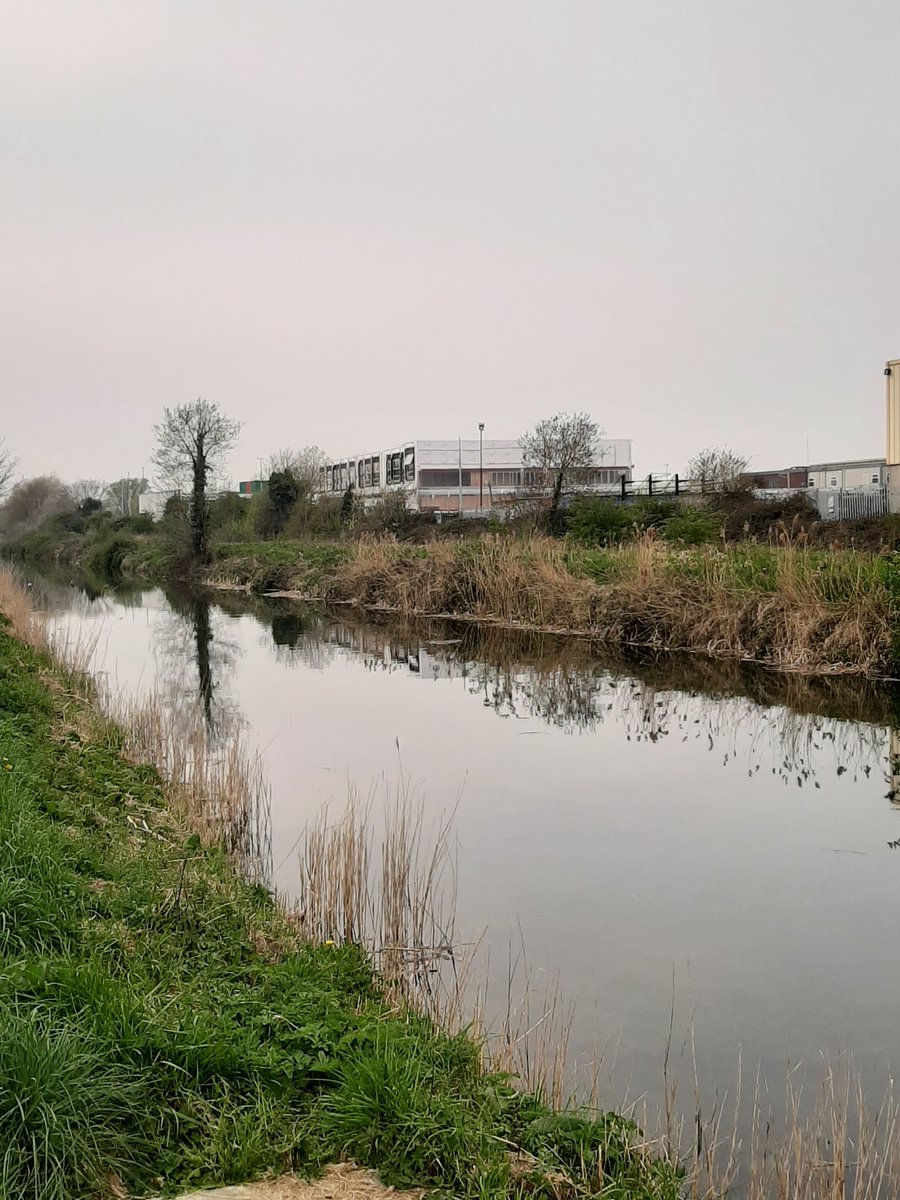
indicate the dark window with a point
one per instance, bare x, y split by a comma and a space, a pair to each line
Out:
445, 478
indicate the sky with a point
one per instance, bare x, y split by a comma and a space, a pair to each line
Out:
357, 224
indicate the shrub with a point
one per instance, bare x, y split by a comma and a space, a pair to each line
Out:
596, 520
692, 526
107, 557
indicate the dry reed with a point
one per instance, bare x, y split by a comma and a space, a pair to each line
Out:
397, 900
788, 607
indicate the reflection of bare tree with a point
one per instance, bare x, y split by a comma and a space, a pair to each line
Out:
761, 720
192, 634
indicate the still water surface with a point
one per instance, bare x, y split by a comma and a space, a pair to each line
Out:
653, 833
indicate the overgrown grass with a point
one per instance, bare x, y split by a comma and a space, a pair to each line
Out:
163, 1024
786, 607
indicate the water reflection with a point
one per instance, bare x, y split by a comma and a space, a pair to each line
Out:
644, 821
193, 634
809, 725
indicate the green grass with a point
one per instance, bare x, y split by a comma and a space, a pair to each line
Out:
162, 1026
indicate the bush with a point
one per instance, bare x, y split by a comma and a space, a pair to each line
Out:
107, 557
598, 521
692, 526
314, 518
227, 511
748, 516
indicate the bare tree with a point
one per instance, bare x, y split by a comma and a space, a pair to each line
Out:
718, 469
85, 490
8, 464
302, 464
560, 448
192, 439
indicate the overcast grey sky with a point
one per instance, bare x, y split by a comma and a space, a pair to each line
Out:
357, 223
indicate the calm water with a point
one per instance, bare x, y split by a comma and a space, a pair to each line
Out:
651, 831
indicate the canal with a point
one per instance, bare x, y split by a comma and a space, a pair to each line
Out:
681, 845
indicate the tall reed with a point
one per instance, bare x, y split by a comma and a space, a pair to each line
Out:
785, 606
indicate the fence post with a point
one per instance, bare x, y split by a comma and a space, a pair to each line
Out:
649, 485
676, 483
622, 481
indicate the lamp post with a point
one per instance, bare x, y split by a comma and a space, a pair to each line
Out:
481, 466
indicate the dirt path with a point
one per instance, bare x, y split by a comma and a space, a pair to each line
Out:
341, 1182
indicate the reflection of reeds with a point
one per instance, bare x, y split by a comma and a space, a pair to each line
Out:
214, 783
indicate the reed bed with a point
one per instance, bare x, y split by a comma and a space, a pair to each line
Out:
787, 607
394, 894
214, 782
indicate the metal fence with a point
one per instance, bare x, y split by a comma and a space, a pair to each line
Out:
850, 504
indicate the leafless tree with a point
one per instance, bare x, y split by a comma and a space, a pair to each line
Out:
718, 469
560, 448
31, 502
86, 489
8, 464
302, 464
192, 439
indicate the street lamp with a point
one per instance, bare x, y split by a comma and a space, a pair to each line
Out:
481, 466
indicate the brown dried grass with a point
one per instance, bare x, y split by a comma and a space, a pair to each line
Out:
343, 1181
785, 607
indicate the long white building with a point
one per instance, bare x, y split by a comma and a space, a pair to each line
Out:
464, 475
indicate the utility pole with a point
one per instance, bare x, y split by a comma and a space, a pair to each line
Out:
481, 466
460, 476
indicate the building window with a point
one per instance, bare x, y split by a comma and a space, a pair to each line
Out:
446, 478
394, 468
811, 482
876, 478
506, 478
833, 481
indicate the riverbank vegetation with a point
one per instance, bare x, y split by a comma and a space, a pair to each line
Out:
758, 581
164, 1024
787, 607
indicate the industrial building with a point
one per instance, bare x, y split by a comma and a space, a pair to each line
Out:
465, 475
837, 473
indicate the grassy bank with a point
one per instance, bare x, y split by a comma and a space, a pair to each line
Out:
786, 607
163, 1024
632, 576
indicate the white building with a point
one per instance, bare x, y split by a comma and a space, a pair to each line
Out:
464, 475
850, 473
153, 504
